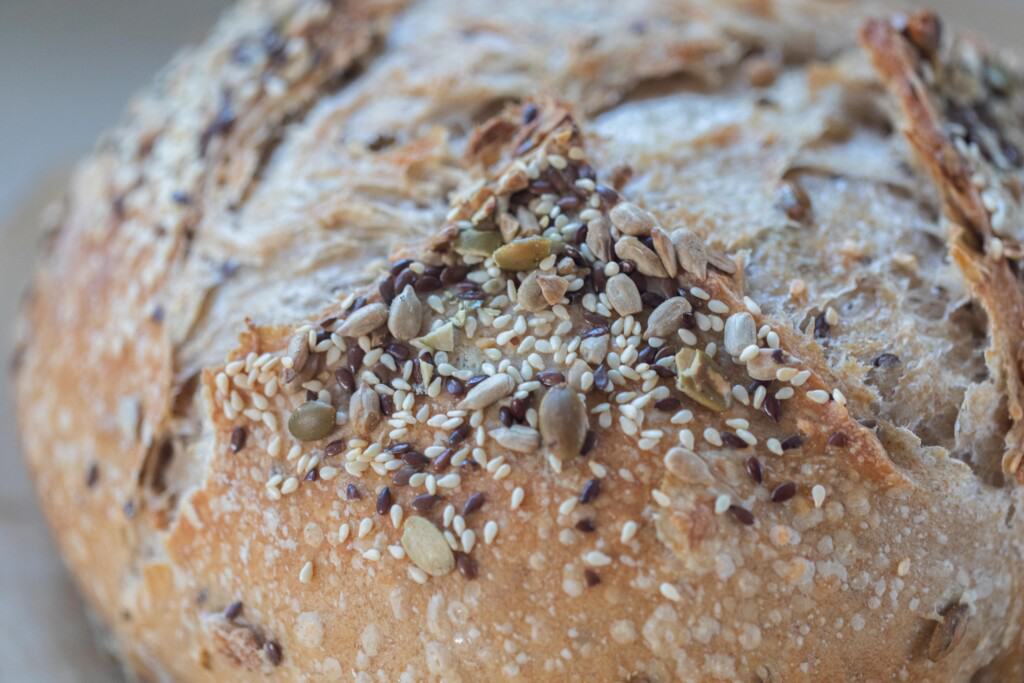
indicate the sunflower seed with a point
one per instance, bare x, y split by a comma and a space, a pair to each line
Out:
440, 339
563, 422
426, 546
406, 315
553, 288
594, 349
599, 238
524, 254
699, 379
489, 391
623, 295
298, 351
629, 248
529, 296
519, 438
667, 317
665, 250
690, 251
364, 320
740, 332
630, 219
364, 410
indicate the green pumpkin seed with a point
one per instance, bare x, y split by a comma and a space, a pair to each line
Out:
471, 242
311, 421
523, 254
701, 380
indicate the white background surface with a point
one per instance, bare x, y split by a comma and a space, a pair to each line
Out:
67, 67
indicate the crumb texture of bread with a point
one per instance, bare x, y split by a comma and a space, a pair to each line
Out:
610, 341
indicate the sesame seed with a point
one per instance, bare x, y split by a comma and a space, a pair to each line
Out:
751, 305
517, 497
365, 527
785, 374
417, 575
670, 592
838, 397
774, 446
712, 436
306, 573
373, 555
716, 306
343, 532
904, 567
722, 503
490, 531
818, 494
800, 378
699, 293
747, 436
629, 530
785, 393
291, 484
818, 396
659, 497
595, 558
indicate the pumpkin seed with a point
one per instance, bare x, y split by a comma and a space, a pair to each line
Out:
667, 317
552, 288
690, 252
364, 410
623, 295
524, 254
364, 320
721, 262
440, 339
630, 219
472, 242
599, 238
529, 295
699, 379
426, 547
489, 391
740, 332
949, 632
563, 422
666, 251
647, 262
406, 315
311, 421
594, 349
298, 351
519, 438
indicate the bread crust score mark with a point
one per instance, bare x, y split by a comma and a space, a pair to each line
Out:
974, 244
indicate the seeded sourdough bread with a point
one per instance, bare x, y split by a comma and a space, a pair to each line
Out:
604, 341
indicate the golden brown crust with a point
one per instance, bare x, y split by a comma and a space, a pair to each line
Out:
247, 211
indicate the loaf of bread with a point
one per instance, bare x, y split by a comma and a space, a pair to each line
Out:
597, 341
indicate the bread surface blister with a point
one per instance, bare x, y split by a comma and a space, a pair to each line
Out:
404, 350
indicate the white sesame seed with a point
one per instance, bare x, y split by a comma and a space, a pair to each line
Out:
567, 506
682, 417
785, 374
661, 498
417, 575
712, 436
328, 473
490, 531
759, 396
306, 573
818, 396
629, 530
595, 558
396, 515
738, 423
749, 353
671, 592
365, 527
774, 446
396, 551
686, 439
831, 316
716, 306
838, 397
818, 494
290, 485
449, 481
800, 378
688, 337
751, 305
747, 436
773, 340
903, 568
784, 394
722, 503
373, 555
699, 293
468, 539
